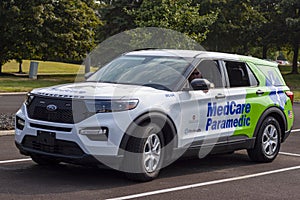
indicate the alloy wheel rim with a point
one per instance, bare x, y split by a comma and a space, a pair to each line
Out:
152, 153
270, 140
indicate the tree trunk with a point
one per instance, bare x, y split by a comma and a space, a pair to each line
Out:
265, 51
295, 58
20, 67
246, 49
0, 68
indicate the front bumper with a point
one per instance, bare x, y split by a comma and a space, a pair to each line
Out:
114, 162
71, 146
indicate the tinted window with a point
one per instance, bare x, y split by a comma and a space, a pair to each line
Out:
238, 74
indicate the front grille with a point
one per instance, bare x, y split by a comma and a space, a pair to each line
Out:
53, 128
60, 147
67, 111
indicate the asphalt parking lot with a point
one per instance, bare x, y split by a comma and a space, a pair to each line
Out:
231, 176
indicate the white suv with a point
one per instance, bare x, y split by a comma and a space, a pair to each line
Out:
146, 108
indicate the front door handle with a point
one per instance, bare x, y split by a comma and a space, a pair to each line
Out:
260, 92
220, 96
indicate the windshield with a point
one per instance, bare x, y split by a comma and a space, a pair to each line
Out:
153, 71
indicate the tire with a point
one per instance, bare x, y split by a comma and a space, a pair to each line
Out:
267, 144
144, 153
41, 160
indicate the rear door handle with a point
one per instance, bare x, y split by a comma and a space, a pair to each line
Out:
220, 96
260, 92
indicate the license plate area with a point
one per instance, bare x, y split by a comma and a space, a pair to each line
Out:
46, 138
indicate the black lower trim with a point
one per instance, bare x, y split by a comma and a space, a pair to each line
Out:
46, 142
232, 144
52, 128
84, 159
287, 133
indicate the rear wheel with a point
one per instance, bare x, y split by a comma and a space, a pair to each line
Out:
267, 143
144, 155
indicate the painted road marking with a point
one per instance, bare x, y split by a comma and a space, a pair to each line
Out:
205, 184
11, 132
295, 130
289, 154
14, 161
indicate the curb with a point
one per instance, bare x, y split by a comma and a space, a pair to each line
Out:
8, 132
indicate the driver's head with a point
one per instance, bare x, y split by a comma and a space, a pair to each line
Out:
196, 74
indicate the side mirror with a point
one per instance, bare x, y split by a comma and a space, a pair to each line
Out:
201, 84
88, 75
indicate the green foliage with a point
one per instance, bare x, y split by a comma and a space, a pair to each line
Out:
23, 84
290, 13
236, 27
46, 29
179, 15
115, 18
45, 67
244, 26
27, 24
68, 30
7, 13
64, 30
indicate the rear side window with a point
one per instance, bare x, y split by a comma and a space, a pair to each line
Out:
240, 75
273, 75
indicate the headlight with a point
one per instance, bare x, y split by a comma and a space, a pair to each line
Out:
28, 99
103, 106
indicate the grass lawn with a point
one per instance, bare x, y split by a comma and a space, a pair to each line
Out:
292, 80
44, 67
49, 73
10, 83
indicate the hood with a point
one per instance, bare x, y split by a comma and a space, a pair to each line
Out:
92, 90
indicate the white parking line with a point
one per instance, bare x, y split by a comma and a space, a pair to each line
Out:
289, 154
14, 161
205, 184
295, 130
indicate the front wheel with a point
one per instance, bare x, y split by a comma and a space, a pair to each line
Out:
267, 143
144, 153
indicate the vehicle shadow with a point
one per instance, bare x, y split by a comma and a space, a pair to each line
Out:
66, 178
211, 163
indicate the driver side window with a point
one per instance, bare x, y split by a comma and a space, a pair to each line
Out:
211, 71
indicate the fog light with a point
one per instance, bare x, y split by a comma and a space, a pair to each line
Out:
20, 123
95, 133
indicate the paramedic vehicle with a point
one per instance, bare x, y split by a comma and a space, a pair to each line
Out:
142, 111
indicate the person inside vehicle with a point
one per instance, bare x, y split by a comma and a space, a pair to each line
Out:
196, 74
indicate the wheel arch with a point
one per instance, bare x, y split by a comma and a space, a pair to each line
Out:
278, 115
168, 129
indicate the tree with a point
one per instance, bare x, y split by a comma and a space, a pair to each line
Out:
7, 12
115, 17
270, 32
27, 26
179, 15
46, 29
68, 30
236, 27
290, 12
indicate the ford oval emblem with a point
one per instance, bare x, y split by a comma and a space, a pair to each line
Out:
51, 107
